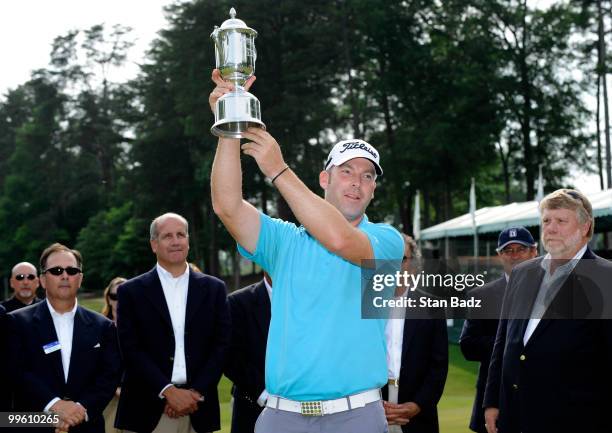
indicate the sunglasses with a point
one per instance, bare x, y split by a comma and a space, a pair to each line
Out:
20, 277
58, 270
112, 296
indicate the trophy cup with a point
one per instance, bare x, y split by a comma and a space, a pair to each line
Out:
235, 58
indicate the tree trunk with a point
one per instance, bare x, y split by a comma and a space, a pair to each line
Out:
213, 253
598, 117
409, 228
438, 208
425, 210
284, 211
348, 63
384, 102
526, 115
236, 270
448, 202
264, 198
505, 171
602, 56
194, 238
405, 207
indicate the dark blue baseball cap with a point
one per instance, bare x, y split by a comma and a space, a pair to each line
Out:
515, 235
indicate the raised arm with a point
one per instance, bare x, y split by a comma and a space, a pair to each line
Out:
239, 217
321, 218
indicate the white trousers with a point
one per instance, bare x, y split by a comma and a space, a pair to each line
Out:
393, 394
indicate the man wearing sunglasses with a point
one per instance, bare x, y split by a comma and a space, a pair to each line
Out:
64, 358
24, 282
514, 245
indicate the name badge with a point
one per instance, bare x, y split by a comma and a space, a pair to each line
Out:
52, 347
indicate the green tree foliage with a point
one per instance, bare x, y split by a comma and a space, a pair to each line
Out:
62, 134
445, 90
543, 113
48, 193
112, 246
423, 74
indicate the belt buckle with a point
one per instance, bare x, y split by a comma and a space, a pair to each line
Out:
393, 382
311, 408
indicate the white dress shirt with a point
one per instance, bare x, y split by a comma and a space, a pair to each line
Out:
64, 328
394, 335
175, 292
550, 283
263, 397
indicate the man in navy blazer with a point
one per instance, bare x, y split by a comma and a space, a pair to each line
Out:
417, 360
245, 365
514, 246
174, 331
63, 358
422, 377
550, 368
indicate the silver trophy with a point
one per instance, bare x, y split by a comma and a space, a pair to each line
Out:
235, 58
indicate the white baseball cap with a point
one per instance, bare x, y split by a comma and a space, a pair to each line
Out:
346, 150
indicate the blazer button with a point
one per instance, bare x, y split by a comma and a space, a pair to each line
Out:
523, 357
172, 358
514, 386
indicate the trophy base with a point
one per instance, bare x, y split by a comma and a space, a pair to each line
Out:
234, 129
235, 113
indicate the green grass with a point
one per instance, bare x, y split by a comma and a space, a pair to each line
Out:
95, 304
225, 387
454, 409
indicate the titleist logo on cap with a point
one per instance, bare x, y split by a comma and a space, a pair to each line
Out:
358, 145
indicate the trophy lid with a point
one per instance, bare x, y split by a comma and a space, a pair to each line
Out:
236, 24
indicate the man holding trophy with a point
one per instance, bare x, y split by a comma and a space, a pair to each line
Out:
322, 358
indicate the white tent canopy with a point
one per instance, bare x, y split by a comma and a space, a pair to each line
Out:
497, 218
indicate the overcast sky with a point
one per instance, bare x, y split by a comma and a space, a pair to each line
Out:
28, 27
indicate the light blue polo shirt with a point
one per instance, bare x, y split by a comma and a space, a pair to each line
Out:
319, 347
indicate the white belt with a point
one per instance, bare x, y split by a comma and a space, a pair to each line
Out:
324, 407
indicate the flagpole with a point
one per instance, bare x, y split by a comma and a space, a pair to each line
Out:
416, 218
539, 196
473, 213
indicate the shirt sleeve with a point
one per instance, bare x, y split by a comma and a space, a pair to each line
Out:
51, 403
387, 243
388, 247
274, 234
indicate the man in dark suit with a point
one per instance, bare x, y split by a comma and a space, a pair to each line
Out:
514, 246
174, 330
417, 360
64, 358
4, 390
245, 365
550, 368
24, 282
